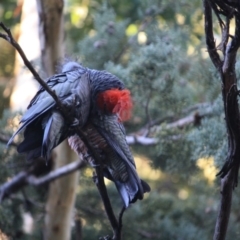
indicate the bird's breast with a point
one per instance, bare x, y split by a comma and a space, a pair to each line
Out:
110, 158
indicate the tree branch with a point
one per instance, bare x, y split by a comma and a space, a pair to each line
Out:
120, 220
225, 206
60, 172
99, 181
28, 178
226, 69
194, 118
146, 141
210, 42
19, 181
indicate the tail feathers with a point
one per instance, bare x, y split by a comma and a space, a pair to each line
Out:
53, 133
132, 190
46, 143
145, 186
31, 145
127, 190
123, 193
18, 131
32, 139
34, 154
28, 119
40, 137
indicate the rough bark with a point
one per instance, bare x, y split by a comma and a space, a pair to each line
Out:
226, 69
51, 33
62, 192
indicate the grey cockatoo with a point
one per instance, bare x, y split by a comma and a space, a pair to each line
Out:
99, 103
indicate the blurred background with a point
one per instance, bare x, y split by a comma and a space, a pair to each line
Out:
157, 47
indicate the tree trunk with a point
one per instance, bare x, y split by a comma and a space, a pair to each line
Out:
24, 86
51, 33
62, 192
61, 198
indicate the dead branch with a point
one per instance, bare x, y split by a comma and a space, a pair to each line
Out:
146, 141
29, 178
60, 172
194, 119
199, 111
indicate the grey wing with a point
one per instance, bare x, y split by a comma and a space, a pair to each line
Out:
56, 129
132, 188
61, 84
46, 131
114, 132
54, 133
82, 94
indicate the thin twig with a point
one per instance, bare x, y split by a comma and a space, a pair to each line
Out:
60, 172
99, 181
120, 220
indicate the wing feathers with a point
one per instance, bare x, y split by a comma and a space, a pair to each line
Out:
53, 133
44, 126
112, 131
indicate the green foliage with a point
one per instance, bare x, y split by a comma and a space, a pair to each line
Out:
9, 11
105, 41
9, 14
13, 209
10, 215
6, 60
10, 211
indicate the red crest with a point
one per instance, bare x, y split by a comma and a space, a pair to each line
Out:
116, 101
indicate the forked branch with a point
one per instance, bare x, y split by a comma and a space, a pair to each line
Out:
226, 70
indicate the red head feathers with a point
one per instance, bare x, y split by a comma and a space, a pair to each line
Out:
116, 101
